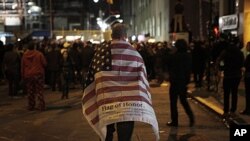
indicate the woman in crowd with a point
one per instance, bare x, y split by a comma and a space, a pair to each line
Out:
66, 74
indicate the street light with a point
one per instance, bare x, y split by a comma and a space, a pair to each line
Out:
103, 23
116, 16
117, 20
35, 10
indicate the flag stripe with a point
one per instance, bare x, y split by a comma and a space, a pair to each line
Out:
88, 96
95, 120
91, 108
127, 51
125, 68
120, 89
129, 69
126, 57
117, 78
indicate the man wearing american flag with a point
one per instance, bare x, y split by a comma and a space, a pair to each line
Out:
116, 91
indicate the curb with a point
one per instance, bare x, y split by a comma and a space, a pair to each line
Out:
209, 105
216, 110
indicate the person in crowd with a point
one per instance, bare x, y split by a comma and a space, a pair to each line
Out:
178, 17
233, 60
218, 47
66, 73
87, 54
53, 58
11, 64
160, 57
147, 57
246, 111
75, 55
179, 66
2, 51
117, 76
199, 58
32, 69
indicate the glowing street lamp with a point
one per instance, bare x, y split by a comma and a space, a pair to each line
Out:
117, 20
103, 23
116, 16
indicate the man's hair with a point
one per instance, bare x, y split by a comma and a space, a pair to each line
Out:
119, 30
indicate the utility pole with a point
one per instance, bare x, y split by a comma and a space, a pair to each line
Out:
51, 18
209, 44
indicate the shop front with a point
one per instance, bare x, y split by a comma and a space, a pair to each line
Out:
231, 24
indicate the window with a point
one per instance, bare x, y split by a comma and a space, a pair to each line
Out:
153, 26
159, 20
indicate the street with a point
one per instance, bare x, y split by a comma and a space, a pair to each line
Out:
63, 120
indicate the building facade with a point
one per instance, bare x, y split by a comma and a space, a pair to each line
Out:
64, 14
149, 17
154, 16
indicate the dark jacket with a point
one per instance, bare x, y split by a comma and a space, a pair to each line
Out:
233, 60
75, 55
53, 58
179, 8
12, 62
86, 56
199, 58
247, 66
179, 67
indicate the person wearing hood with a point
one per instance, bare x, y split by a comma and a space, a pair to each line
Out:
32, 70
179, 65
233, 60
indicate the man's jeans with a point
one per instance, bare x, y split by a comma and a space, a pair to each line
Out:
124, 131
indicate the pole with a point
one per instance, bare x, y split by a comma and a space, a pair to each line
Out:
209, 44
51, 19
200, 19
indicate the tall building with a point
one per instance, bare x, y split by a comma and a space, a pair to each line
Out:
11, 14
155, 16
64, 14
147, 17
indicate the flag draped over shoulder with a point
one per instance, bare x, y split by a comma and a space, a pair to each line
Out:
117, 89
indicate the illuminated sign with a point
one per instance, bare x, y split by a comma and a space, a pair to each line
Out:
12, 21
229, 22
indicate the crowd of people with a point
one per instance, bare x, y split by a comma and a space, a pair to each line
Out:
62, 65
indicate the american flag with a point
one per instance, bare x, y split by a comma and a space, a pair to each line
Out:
117, 89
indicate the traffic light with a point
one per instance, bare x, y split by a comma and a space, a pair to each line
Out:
216, 31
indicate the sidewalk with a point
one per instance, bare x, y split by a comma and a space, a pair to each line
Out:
214, 102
